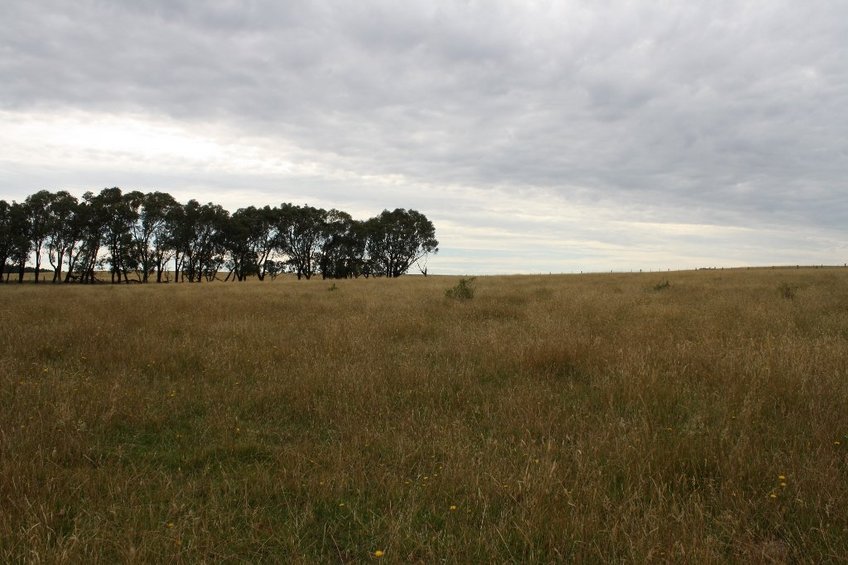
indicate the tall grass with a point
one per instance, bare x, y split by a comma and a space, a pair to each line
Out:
548, 418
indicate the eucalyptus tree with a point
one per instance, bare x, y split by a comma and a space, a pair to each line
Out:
198, 238
63, 233
5, 235
177, 237
240, 244
91, 219
150, 233
397, 239
301, 235
121, 212
210, 249
75, 233
38, 208
251, 239
267, 221
162, 241
141, 232
18, 230
343, 251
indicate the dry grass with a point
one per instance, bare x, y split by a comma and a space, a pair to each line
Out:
588, 418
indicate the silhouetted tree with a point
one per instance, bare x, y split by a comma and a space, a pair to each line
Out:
239, 242
198, 238
343, 251
150, 233
92, 215
398, 239
38, 207
74, 233
301, 231
62, 231
5, 235
121, 212
250, 238
19, 237
267, 234
138, 233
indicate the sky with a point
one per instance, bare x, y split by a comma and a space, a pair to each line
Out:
537, 136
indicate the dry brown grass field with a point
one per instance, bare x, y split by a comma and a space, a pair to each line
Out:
587, 418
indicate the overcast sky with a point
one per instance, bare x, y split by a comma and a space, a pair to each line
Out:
537, 136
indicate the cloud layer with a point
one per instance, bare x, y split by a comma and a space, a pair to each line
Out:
539, 136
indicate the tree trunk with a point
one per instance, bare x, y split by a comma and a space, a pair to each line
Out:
37, 265
57, 269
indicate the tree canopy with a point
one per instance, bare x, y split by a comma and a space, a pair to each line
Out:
134, 235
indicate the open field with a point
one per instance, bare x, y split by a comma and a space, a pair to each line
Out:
582, 417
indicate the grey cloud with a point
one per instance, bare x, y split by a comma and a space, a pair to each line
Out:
720, 112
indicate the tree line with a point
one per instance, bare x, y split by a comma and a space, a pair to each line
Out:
137, 236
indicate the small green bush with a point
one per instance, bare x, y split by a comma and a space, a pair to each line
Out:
464, 290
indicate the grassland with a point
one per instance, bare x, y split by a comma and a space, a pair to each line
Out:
582, 418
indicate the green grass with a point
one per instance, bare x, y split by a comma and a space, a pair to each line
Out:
587, 418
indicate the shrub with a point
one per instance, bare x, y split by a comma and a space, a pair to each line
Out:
662, 286
464, 290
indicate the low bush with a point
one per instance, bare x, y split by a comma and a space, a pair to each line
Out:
464, 290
